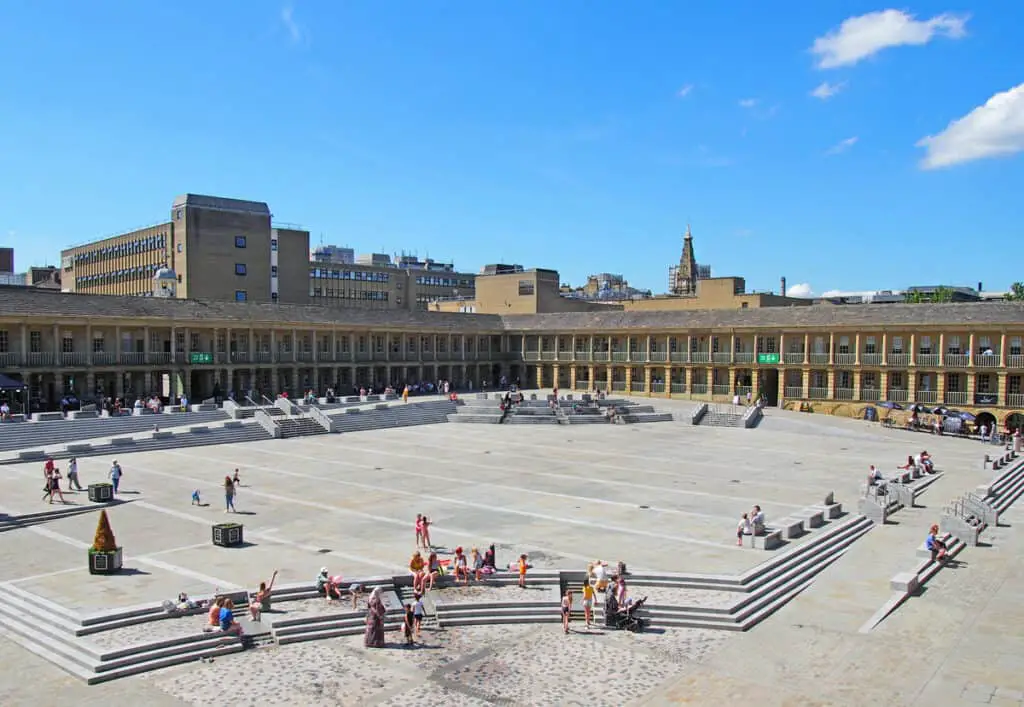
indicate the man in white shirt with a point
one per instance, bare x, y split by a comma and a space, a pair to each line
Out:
757, 520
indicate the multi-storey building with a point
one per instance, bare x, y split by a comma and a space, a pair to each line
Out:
968, 356
221, 249
408, 284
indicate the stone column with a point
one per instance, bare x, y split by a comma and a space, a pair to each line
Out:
913, 351
883, 385
647, 372
805, 383
629, 374
540, 375
1001, 384
970, 350
1002, 355
807, 351
856, 349
88, 347
590, 373
572, 376
831, 384
856, 384
885, 351
608, 378
668, 381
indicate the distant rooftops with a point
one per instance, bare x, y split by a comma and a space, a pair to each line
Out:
220, 203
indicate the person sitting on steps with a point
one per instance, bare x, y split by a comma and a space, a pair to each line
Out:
935, 546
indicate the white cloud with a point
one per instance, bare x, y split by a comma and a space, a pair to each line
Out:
685, 90
842, 146
861, 37
866, 294
991, 130
800, 289
826, 90
748, 103
296, 32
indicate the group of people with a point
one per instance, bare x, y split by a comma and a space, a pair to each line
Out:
752, 524
922, 462
425, 572
52, 478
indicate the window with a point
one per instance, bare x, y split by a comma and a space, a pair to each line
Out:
1015, 346
239, 268
984, 344
869, 345
844, 345
525, 287
953, 382
273, 296
273, 244
273, 270
240, 296
179, 247
179, 341
953, 345
897, 345
925, 347
820, 346
177, 215
67, 344
97, 344
984, 383
4, 342
239, 241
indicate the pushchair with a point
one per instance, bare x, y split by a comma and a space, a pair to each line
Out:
624, 618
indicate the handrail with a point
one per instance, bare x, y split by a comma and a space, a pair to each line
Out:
267, 422
321, 417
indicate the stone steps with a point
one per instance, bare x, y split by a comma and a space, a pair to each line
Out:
721, 419
26, 435
475, 418
401, 415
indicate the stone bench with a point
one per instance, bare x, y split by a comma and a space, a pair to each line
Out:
47, 416
773, 539
811, 517
906, 582
82, 415
790, 527
32, 454
232, 424
924, 552
78, 448
139, 412
198, 429
161, 435
120, 441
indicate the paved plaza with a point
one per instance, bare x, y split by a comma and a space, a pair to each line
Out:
661, 497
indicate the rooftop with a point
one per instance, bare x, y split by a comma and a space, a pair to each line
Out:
21, 302
220, 203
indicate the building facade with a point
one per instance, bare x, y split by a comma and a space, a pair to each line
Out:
968, 356
221, 249
406, 284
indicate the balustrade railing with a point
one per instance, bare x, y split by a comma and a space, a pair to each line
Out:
793, 357
844, 394
898, 395
820, 358
720, 390
659, 356
10, 360
698, 389
700, 357
870, 394
637, 386
794, 392
955, 397
987, 360
898, 360
927, 359
846, 359
1015, 361
678, 387
721, 357
680, 357
871, 359
638, 356
817, 393
743, 357
619, 386
1015, 400
957, 360
926, 396
102, 358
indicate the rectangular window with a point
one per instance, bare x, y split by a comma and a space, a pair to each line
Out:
925, 345
953, 344
1015, 346
953, 382
4, 342
984, 383
984, 344
67, 344
239, 241
179, 342
526, 287
97, 344
897, 345
273, 244
1013, 385
194, 342
273, 271
240, 296
820, 346
869, 345
844, 345
239, 268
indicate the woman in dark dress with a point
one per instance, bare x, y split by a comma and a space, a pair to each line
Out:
375, 620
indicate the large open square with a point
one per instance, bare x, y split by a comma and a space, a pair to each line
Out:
662, 497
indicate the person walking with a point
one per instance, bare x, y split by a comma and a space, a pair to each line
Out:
73, 474
229, 495
566, 610
588, 603
115, 475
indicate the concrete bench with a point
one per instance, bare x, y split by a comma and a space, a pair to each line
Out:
139, 412
82, 415
78, 448
924, 552
232, 424
195, 429
47, 416
382, 406
773, 539
352, 411
907, 582
790, 527
119, 441
161, 435
32, 454
811, 517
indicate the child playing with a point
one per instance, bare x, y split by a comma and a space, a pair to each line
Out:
195, 498
410, 620
743, 528
523, 566
418, 612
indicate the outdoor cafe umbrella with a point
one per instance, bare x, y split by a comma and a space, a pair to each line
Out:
968, 417
890, 405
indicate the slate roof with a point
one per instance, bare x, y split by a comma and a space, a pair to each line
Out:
860, 316
27, 302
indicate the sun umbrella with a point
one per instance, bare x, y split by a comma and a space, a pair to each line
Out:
940, 410
952, 413
890, 405
967, 417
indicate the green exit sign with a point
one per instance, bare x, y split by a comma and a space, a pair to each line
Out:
200, 357
768, 358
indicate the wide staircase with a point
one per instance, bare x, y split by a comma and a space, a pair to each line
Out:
485, 408
299, 427
26, 435
721, 416
389, 415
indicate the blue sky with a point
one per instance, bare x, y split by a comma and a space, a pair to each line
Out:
811, 140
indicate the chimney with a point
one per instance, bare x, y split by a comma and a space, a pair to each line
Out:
782, 287
979, 287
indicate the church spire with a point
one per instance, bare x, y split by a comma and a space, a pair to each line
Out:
686, 275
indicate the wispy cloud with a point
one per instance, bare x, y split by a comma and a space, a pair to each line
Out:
842, 146
685, 91
993, 129
748, 103
799, 289
826, 90
860, 37
296, 32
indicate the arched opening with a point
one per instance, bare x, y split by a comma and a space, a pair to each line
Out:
1015, 421
987, 419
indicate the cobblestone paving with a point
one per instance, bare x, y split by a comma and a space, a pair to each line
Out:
148, 632
478, 665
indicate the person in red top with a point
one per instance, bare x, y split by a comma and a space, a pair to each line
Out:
523, 566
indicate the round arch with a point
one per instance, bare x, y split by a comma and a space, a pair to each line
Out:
985, 418
1014, 421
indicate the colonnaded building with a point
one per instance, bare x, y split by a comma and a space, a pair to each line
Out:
964, 355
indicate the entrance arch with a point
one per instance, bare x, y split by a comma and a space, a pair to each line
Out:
987, 419
1015, 421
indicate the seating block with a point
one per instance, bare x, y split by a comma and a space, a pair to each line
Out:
773, 539
161, 435
907, 582
813, 518
122, 440
790, 527
830, 511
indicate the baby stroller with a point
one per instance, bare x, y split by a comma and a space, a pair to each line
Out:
625, 618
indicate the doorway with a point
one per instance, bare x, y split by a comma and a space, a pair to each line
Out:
770, 386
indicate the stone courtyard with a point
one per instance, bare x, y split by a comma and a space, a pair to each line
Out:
662, 497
